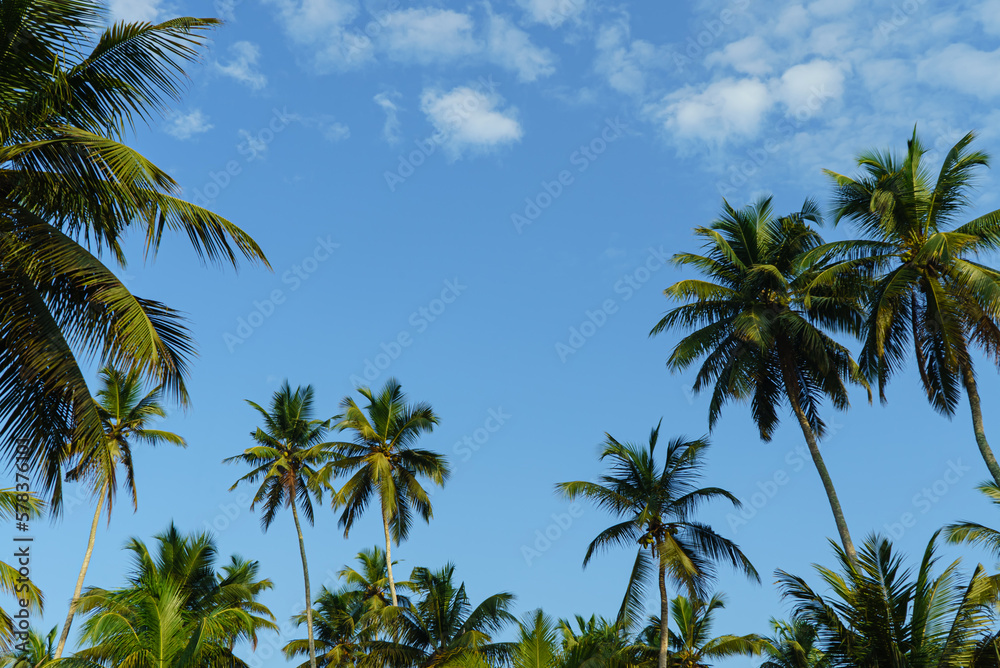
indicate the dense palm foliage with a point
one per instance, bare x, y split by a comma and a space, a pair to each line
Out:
176, 609
756, 318
125, 415
655, 503
879, 613
930, 291
289, 461
792, 645
386, 464
36, 651
70, 191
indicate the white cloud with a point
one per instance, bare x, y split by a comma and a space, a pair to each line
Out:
334, 131
963, 68
243, 66
805, 89
469, 119
322, 25
185, 126
751, 55
988, 13
729, 107
552, 12
252, 144
428, 35
135, 10
391, 129
624, 62
226, 9
511, 48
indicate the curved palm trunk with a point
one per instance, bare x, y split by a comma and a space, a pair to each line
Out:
969, 379
791, 389
388, 554
305, 576
64, 636
664, 612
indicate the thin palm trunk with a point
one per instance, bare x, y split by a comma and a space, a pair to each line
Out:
305, 577
664, 611
64, 636
388, 555
972, 390
791, 389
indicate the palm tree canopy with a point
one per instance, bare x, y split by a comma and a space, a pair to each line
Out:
176, 609
290, 456
70, 191
880, 613
755, 321
656, 504
383, 458
37, 651
792, 645
929, 291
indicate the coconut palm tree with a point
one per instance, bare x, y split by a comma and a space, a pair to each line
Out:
537, 643
384, 463
973, 533
289, 461
757, 325
655, 503
176, 608
125, 415
440, 627
70, 191
598, 643
792, 645
692, 645
880, 614
36, 651
930, 291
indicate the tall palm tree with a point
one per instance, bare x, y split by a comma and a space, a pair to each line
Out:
289, 461
125, 415
385, 463
756, 324
176, 609
880, 614
929, 291
14, 505
792, 645
70, 191
440, 627
692, 645
37, 651
655, 503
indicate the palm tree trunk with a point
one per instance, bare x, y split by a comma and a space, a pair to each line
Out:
305, 576
969, 378
791, 388
64, 636
664, 611
388, 554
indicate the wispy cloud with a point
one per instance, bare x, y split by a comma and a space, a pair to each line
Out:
185, 126
511, 48
135, 10
428, 35
243, 66
470, 120
391, 128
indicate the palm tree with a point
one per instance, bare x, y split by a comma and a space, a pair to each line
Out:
441, 628
176, 609
385, 463
879, 614
929, 291
598, 643
655, 503
125, 413
973, 533
757, 325
792, 645
36, 651
289, 462
537, 643
70, 191
14, 505
693, 646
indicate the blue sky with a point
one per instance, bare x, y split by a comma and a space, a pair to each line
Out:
477, 199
